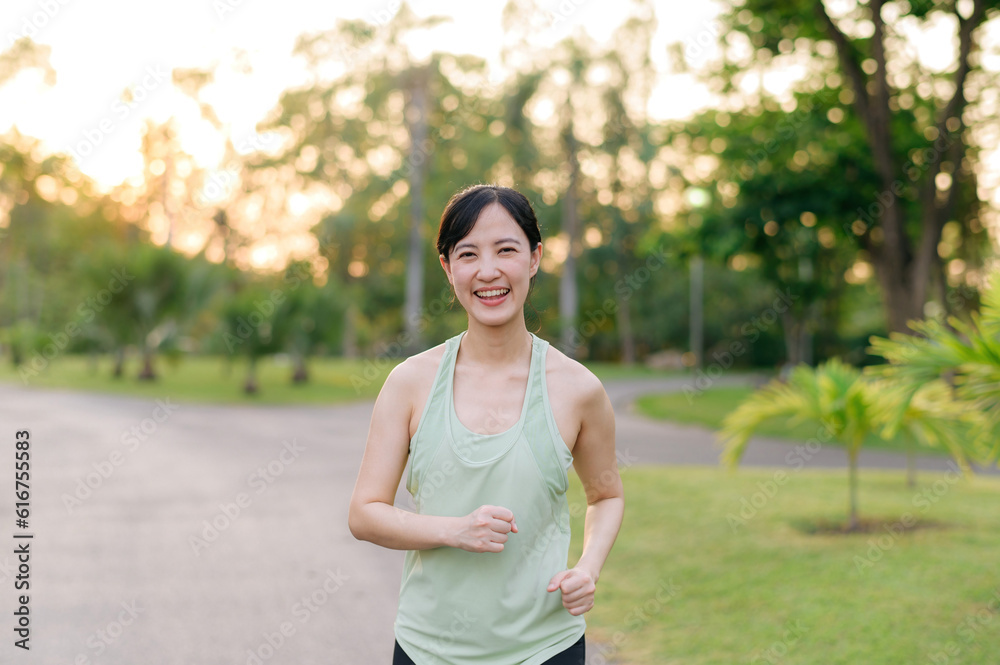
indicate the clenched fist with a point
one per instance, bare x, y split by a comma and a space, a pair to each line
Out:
485, 529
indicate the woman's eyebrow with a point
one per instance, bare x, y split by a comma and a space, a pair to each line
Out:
498, 242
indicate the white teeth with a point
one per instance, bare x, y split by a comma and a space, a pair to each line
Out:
492, 292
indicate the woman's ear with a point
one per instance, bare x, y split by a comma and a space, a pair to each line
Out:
536, 259
447, 267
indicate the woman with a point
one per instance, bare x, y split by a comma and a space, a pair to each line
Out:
491, 420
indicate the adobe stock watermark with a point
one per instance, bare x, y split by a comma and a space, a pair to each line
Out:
777, 650
302, 610
623, 461
696, 46
131, 439
636, 618
221, 183
787, 128
7, 570
374, 367
260, 481
460, 623
86, 311
439, 477
99, 641
752, 330
222, 8
422, 151
383, 17
264, 309
625, 288
768, 489
33, 23
563, 11
923, 501
968, 631
94, 136
886, 198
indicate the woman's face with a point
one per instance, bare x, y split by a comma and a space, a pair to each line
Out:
491, 268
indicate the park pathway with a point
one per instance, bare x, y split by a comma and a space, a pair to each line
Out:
188, 534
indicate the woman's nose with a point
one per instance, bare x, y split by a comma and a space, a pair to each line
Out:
488, 268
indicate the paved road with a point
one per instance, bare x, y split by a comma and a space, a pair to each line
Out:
175, 533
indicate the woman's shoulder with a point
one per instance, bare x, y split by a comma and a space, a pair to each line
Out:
569, 377
417, 370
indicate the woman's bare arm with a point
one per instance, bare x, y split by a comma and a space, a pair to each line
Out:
596, 465
372, 515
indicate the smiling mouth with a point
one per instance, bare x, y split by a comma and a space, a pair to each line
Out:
491, 293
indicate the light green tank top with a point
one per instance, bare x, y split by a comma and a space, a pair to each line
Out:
489, 608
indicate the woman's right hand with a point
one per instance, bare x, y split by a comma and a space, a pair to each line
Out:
485, 529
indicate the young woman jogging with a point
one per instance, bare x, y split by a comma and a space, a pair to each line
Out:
490, 421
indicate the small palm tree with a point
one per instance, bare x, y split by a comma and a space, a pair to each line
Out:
930, 415
969, 352
840, 398
247, 326
833, 396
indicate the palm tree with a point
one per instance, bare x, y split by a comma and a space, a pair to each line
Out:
969, 352
247, 324
839, 398
930, 416
155, 298
832, 396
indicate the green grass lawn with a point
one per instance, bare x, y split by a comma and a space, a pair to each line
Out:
215, 380
686, 584
711, 406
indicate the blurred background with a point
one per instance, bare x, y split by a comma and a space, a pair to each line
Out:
216, 150
236, 202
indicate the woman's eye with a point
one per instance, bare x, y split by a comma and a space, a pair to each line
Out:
507, 248
464, 254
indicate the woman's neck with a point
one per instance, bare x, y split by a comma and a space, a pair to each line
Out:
499, 346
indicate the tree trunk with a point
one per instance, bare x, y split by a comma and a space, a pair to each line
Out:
852, 461
568, 293
250, 386
625, 328
301, 374
119, 368
417, 115
897, 293
147, 373
911, 466
903, 270
696, 329
350, 346
792, 328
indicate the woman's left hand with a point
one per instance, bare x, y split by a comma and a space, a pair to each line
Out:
578, 587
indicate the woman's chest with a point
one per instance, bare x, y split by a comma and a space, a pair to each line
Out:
494, 404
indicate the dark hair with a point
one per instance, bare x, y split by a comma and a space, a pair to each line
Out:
464, 208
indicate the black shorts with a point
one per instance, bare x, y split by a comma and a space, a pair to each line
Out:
575, 654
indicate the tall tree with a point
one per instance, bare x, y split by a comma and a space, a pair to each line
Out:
863, 47
373, 128
570, 119
782, 187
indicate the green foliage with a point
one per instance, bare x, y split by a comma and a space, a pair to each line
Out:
845, 406
830, 396
968, 352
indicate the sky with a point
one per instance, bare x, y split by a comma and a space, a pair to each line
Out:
102, 47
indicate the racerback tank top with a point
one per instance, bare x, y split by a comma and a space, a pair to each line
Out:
489, 608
